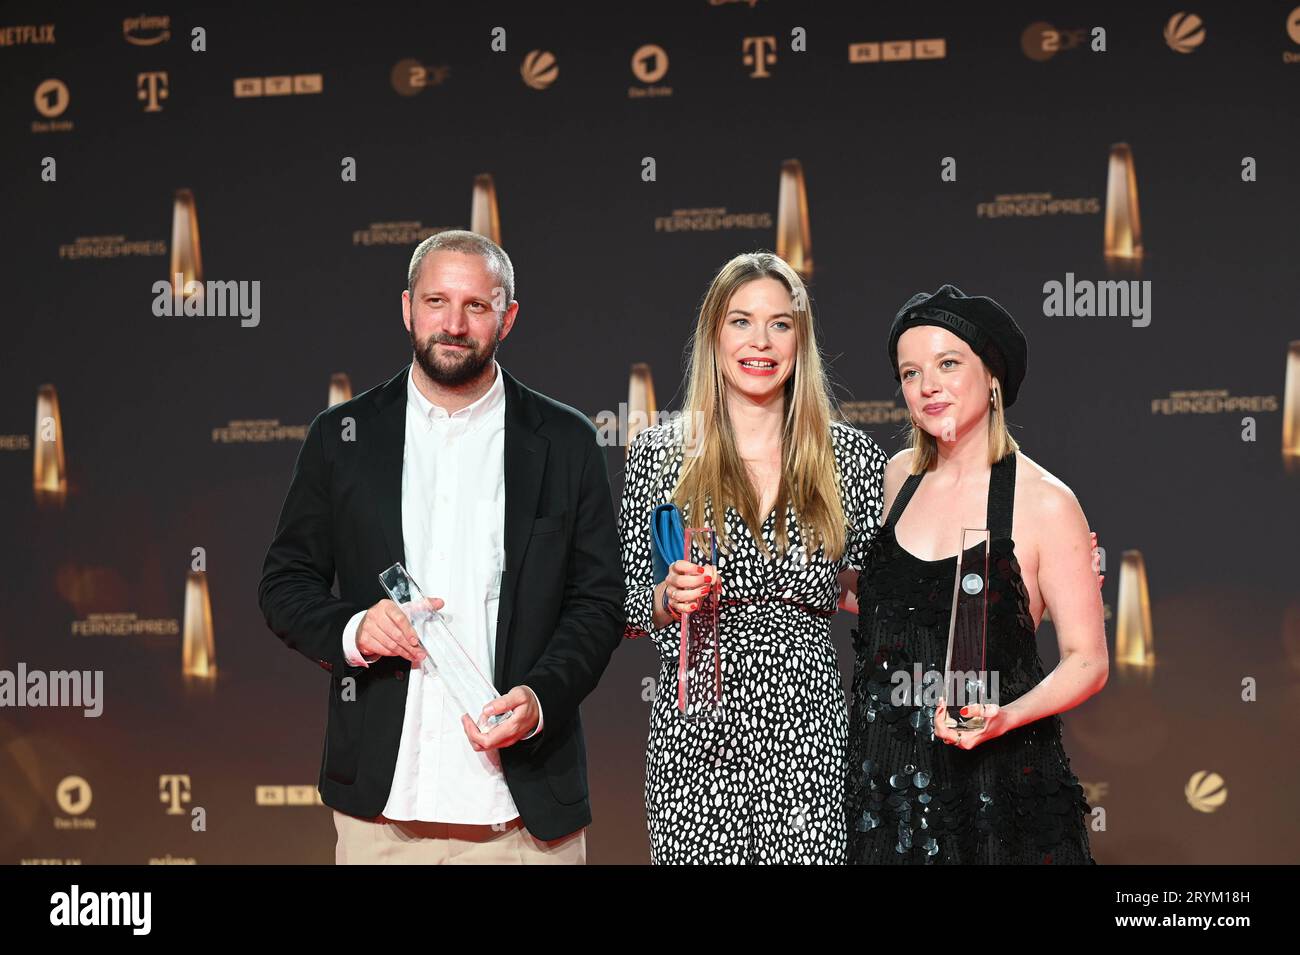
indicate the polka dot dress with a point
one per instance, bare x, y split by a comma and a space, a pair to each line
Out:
765, 784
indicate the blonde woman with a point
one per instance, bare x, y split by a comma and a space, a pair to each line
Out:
794, 497
920, 792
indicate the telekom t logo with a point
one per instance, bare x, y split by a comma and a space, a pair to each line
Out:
174, 789
760, 52
151, 88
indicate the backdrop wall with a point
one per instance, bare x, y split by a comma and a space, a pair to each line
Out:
933, 144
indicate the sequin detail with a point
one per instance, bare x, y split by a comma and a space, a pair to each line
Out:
910, 798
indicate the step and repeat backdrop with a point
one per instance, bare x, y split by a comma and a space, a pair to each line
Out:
1123, 178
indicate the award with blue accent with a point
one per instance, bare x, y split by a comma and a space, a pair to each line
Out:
699, 659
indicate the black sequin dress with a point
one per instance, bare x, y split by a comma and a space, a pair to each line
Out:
913, 799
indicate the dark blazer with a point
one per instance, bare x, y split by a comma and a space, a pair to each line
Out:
561, 607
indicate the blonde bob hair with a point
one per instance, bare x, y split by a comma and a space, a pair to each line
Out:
925, 449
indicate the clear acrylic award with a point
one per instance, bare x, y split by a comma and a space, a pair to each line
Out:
965, 679
445, 657
699, 659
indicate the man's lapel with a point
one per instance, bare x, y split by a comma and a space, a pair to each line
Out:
525, 464
384, 462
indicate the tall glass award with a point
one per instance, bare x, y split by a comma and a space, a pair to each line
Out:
445, 657
699, 659
965, 680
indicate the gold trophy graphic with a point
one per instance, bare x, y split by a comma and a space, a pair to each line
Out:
1123, 239
49, 471
340, 389
198, 652
187, 262
1134, 639
641, 407
793, 238
484, 217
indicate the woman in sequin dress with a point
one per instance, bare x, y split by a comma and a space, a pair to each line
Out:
917, 791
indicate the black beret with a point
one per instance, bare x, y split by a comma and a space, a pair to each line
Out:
979, 321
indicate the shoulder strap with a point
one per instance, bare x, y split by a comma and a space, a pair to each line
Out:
1002, 496
904, 495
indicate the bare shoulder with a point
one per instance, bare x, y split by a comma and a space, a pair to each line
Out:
899, 467
1046, 497
896, 473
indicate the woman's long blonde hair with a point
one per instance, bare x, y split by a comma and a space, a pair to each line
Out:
713, 476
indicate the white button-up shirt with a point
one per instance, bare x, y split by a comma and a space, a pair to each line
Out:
453, 517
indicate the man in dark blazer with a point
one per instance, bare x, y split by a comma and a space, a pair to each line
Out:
519, 791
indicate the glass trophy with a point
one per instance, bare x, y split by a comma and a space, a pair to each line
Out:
445, 657
699, 660
965, 681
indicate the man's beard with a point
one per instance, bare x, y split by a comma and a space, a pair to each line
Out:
453, 369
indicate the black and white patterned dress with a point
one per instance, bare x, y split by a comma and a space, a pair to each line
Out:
765, 784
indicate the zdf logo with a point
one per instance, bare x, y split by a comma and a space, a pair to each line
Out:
410, 77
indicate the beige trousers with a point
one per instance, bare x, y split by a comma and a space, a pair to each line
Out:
383, 841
